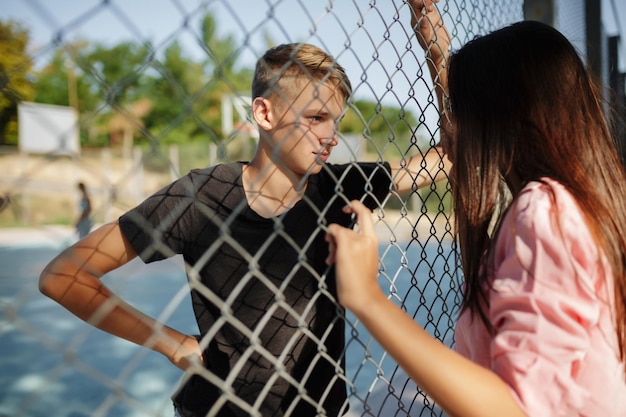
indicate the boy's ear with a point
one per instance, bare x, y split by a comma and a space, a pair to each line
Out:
261, 111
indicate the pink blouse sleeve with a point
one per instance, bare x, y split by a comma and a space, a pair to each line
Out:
543, 301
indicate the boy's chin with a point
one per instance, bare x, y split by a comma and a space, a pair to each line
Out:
317, 166
314, 169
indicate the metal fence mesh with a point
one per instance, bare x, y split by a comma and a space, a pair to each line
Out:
128, 158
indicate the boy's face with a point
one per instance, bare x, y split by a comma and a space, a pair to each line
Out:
305, 128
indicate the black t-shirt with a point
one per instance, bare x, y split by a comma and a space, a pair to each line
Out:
261, 291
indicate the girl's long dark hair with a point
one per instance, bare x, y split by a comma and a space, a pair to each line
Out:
525, 107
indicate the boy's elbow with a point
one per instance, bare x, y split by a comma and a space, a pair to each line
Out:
50, 283
46, 286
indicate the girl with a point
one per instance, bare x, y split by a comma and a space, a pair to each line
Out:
540, 216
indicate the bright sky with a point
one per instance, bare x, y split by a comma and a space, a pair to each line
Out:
162, 21
370, 42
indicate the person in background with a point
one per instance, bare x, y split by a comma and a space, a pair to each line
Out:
540, 213
252, 235
84, 223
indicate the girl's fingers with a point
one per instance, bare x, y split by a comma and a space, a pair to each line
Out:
339, 236
332, 246
363, 218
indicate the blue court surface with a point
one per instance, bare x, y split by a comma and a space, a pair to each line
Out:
52, 364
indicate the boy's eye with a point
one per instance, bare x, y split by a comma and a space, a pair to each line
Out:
315, 119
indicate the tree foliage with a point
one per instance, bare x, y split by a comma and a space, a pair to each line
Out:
15, 84
386, 127
178, 91
61, 81
118, 71
164, 96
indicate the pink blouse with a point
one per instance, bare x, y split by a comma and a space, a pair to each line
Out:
551, 308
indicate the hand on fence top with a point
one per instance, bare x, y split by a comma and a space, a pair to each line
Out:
434, 38
430, 29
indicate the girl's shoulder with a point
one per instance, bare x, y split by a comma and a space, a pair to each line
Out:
546, 197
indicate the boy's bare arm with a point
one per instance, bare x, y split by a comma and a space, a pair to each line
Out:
420, 170
434, 39
73, 280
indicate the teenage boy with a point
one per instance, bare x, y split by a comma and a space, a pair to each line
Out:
252, 235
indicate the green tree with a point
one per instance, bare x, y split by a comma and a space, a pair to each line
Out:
116, 72
389, 128
117, 76
222, 53
62, 81
99, 81
52, 81
188, 94
15, 82
224, 77
177, 90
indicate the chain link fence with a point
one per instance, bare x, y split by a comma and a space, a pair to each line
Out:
144, 118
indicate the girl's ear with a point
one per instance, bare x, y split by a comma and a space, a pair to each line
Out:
261, 111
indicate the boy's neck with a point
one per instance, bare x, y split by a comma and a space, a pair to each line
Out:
270, 191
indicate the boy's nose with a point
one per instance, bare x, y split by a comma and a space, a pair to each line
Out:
331, 140
329, 137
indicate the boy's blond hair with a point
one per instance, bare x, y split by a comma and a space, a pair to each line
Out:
285, 69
